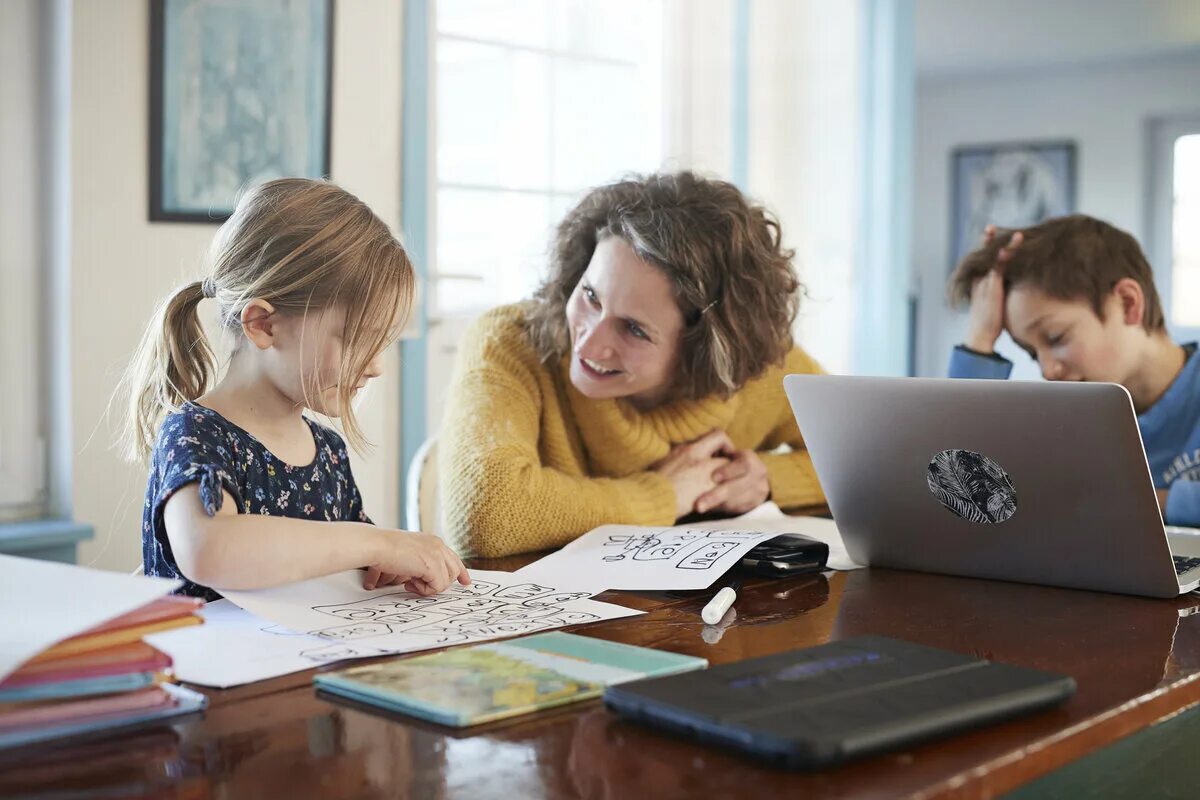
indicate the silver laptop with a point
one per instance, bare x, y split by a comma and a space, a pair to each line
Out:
1022, 481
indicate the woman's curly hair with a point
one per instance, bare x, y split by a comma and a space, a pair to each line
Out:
733, 279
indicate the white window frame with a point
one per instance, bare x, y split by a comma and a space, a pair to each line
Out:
23, 474
1163, 133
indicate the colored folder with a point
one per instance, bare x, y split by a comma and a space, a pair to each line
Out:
171, 606
156, 704
83, 687
117, 660
101, 640
17, 716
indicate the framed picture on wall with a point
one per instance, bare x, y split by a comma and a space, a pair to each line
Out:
1011, 185
240, 93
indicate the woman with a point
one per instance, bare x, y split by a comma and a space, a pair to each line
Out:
643, 381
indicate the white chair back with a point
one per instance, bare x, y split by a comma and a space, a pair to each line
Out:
421, 490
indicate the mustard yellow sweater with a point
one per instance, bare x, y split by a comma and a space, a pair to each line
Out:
526, 462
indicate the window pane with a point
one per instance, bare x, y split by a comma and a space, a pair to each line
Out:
1185, 233
615, 29
551, 98
520, 22
625, 30
492, 116
499, 237
604, 125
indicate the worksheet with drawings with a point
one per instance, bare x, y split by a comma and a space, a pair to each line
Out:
234, 647
496, 605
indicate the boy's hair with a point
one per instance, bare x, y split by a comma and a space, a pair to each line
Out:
733, 279
301, 245
1070, 258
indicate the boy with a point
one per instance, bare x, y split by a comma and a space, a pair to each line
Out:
1078, 295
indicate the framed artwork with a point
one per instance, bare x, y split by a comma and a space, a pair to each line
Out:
1009, 185
240, 93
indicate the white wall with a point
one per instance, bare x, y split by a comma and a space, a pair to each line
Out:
123, 265
22, 257
1104, 109
982, 36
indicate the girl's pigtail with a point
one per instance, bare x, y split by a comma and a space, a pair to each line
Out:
174, 363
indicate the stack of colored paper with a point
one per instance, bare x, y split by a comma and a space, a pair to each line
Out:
101, 678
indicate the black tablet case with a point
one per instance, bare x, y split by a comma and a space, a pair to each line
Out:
820, 706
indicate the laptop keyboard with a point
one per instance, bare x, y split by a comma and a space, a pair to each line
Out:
1183, 564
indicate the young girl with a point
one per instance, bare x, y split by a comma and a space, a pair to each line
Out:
246, 492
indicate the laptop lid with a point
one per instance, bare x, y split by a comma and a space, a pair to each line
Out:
1025, 481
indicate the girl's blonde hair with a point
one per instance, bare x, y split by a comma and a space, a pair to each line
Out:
301, 245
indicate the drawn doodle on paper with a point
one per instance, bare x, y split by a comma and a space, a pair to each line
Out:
332, 652
340, 652
279, 630
480, 611
691, 549
705, 555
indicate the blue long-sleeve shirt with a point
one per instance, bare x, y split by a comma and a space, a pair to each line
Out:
1170, 429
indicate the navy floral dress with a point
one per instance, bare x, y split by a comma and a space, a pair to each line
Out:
198, 445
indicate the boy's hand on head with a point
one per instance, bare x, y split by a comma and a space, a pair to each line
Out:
985, 320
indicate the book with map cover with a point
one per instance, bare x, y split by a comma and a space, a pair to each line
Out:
490, 681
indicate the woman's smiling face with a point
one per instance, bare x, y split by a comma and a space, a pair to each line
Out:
625, 327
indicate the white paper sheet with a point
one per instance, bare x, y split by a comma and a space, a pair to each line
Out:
679, 557
44, 602
497, 604
233, 647
631, 557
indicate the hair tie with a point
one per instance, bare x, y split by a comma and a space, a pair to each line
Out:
207, 288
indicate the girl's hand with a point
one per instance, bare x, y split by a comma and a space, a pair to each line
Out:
420, 561
742, 485
690, 468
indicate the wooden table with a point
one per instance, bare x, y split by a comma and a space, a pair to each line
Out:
1136, 662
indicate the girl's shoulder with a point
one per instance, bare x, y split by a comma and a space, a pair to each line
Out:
195, 424
329, 440
198, 435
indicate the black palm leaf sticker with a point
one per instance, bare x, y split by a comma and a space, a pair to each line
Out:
972, 486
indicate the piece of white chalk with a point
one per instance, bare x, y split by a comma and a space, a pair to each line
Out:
717, 607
